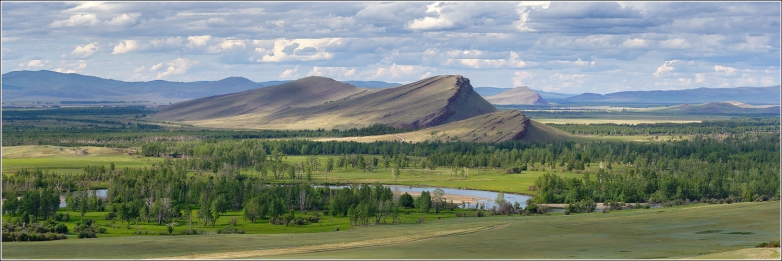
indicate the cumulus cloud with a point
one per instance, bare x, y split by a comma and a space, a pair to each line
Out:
77, 20
333, 72
290, 73
520, 76
297, 50
665, 68
123, 20
512, 61
198, 40
34, 64
126, 46
635, 43
83, 51
92, 20
178, 66
725, 69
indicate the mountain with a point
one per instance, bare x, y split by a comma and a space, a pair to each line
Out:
548, 96
308, 91
48, 86
318, 102
517, 96
729, 108
752, 95
490, 127
554, 96
489, 91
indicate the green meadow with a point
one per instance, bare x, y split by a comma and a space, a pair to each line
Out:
675, 232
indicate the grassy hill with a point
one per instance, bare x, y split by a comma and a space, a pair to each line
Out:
490, 127
304, 92
519, 95
317, 102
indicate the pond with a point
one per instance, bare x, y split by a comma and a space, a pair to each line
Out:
100, 192
468, 196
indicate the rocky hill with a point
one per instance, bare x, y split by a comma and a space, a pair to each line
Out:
318, 102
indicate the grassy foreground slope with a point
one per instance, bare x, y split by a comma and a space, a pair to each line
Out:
677, 232
425, 103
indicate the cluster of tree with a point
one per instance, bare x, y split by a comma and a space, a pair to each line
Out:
39, 203
740, 168
26, 228
732, 126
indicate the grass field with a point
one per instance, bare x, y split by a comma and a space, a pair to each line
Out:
676, 232
67, 159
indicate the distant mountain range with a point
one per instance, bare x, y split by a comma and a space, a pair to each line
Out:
751, 95
548, 96
48, 86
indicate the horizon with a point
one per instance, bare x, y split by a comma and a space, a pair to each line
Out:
399, 83
563, 47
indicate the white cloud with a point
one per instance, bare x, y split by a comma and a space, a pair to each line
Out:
333, 72
34, 64
512, 61
578, 62
226, 45
290, 73
155, 67
297, 50
77, 20
198, 41
665, 68
397, 72
700, 78
523, 9
440, 21
77, 67
84, 51
635, 43
126, 46
677, 43
725, 69
519, 78
178, 66
123, 20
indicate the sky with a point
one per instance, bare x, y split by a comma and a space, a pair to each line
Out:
568, 47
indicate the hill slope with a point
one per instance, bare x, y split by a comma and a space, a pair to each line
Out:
425, 103
517, 96
304, 92
752, 95
490, 127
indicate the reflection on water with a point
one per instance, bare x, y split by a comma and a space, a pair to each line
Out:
471, 197
100, 192
485, 198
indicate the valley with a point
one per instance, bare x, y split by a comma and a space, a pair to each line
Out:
276, 161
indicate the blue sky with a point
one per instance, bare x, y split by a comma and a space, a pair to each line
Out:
570, 47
